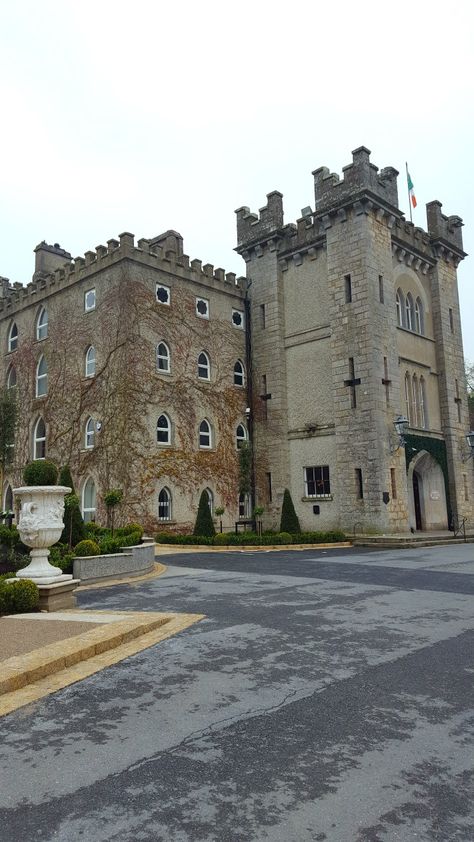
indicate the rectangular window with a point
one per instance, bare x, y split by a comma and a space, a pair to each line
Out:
359, 484
386, 381
348, 288
316, 480
381, 292
451, 320
269, 487
262, 316
393, 481
89, 300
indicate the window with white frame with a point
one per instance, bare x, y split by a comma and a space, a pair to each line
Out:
205, 434
238, 319
163, 294
240, 435
163, 358
202, 308
163, 429
244, 505
409, 312
39, 439
13, 337
11, 377
89, 501
41, 377
42, 324
239, 374
316, 481
90, 362
89, 300
419, 316
204, 366
400, 302
164, 504
210, 498
89, 439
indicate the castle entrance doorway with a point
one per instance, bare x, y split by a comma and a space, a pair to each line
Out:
426, 494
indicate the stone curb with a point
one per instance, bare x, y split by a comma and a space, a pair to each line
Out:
21, 670
125, 580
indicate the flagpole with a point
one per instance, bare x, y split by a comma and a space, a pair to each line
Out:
409, 197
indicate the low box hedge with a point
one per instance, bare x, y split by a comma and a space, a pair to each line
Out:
243, 539
19, 596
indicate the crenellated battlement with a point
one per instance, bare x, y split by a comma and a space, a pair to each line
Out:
361, 176
446, 229
163, 252
251, 227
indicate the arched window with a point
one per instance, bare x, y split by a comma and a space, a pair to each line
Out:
163, 430
409, 312
422, 404
11, 377
39, 439
210, 497
41, 377
163, 358
400, 307
164, 504
414, 384
244, 505
239, 374
89, 439
419, 317
90, 362
13, 338
42, 324
205, 434
240, 435
204, 366
408, 402
8, 498
89, 500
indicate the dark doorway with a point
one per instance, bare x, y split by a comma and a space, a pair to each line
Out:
416, 498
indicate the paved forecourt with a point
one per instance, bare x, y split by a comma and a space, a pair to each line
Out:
326, 696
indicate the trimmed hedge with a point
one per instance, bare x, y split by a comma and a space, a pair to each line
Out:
243, 539
19, 596
87, 547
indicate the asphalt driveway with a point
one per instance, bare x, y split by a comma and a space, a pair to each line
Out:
327, 697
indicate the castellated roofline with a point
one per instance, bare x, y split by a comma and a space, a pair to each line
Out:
163, 252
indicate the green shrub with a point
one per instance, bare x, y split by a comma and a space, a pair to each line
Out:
73, 531
110, 546
283, 538
332, 537
289, 519
204, 524
87, 547
92, 528
164, 537
40, 472
131, 539
18, 597
61, 556
130, 529
9, 537
221, 539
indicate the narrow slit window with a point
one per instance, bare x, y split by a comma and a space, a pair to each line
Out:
348, 288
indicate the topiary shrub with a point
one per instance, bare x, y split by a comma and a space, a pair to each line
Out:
289, 519
204, 525
40, 472
112, 499
221, 539
87, 547
131, 539
73, 531
110, 546
18, 597
131, 529
283, 538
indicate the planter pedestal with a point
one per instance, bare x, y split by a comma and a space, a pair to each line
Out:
40, 526
58, 596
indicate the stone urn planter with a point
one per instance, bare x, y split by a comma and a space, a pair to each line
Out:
40, 525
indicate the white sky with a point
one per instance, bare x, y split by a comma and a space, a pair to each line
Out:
143, 116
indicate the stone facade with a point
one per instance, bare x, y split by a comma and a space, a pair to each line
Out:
361, 326
347, 320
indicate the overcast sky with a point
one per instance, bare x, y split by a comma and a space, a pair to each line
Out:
143, 116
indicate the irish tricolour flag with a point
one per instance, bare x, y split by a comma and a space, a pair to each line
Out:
411, 190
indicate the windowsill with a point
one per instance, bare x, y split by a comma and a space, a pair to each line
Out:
86, 449
415, 333
165, 373
326, 498
168, 522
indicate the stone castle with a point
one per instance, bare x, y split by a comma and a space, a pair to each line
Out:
147, 371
